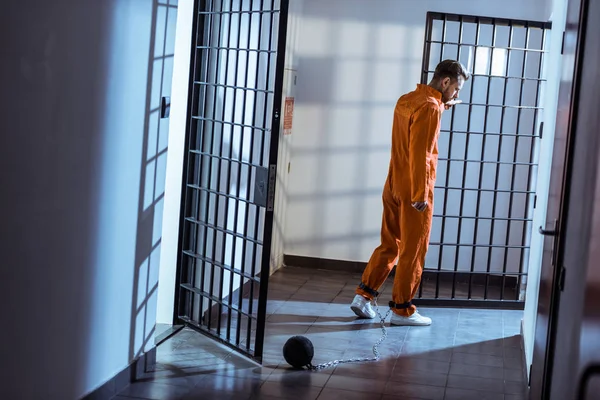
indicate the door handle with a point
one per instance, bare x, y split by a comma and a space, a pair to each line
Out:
547, 232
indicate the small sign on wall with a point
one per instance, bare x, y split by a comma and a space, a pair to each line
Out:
288, 115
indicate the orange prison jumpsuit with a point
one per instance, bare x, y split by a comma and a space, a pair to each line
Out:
405, 231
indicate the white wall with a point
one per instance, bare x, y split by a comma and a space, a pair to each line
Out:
177, 125
80, 210
355, 59
285, 141
553, 67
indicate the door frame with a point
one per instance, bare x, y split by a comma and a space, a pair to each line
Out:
552, 273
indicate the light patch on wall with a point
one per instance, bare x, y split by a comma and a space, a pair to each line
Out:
353, 40
391, 41
308, 163
354, 71
386, 80
310, 127
314, 43
340, 174
379, 126
347, 119
338, 217
375, 161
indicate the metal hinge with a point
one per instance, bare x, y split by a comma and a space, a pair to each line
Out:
561, 279
529, 377
534, 201
271, 195
562, 46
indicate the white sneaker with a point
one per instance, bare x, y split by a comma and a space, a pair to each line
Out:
362, 307
414, 320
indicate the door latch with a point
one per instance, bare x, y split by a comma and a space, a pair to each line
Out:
549, 232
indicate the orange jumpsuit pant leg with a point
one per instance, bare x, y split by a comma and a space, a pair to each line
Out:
416, 229
384, 257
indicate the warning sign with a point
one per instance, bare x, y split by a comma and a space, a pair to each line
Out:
288, 115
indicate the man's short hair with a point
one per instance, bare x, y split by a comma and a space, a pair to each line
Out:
450, 69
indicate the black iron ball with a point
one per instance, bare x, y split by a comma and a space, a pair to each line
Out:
298, 351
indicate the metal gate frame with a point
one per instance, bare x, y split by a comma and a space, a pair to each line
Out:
264, 180
455, 274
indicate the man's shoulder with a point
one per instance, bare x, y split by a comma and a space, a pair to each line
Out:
414, 102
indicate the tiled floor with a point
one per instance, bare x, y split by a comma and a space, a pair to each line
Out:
465, 354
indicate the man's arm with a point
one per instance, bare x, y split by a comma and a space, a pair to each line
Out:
422, 135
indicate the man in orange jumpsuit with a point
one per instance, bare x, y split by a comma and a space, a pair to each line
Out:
408, 196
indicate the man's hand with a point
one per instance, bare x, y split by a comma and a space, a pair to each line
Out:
420, 206
452, 103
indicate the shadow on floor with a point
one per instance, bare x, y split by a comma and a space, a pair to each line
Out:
465, 354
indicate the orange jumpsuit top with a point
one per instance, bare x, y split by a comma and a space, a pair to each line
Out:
415, 133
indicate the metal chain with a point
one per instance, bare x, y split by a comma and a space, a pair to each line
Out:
352, 360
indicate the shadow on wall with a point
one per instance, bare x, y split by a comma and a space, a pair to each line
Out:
349, 83
78, 215
153, 176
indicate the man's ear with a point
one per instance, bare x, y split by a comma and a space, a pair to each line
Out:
446, 82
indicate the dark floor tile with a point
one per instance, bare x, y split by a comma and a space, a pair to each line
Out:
419, 377
172, 377
515, 397
473, 338
256, 396
477, 371
200, 394
253, 373
513, 363
486, 347
414, 390
512, 387
126, 398
471, 383
478, 359
356, 384
421, 364
415, 350
513, 341
514, 375
326, 356
289, 377
155, 391
380, 370
464, 394
337, 394
281, 391
213, 383
513, 352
